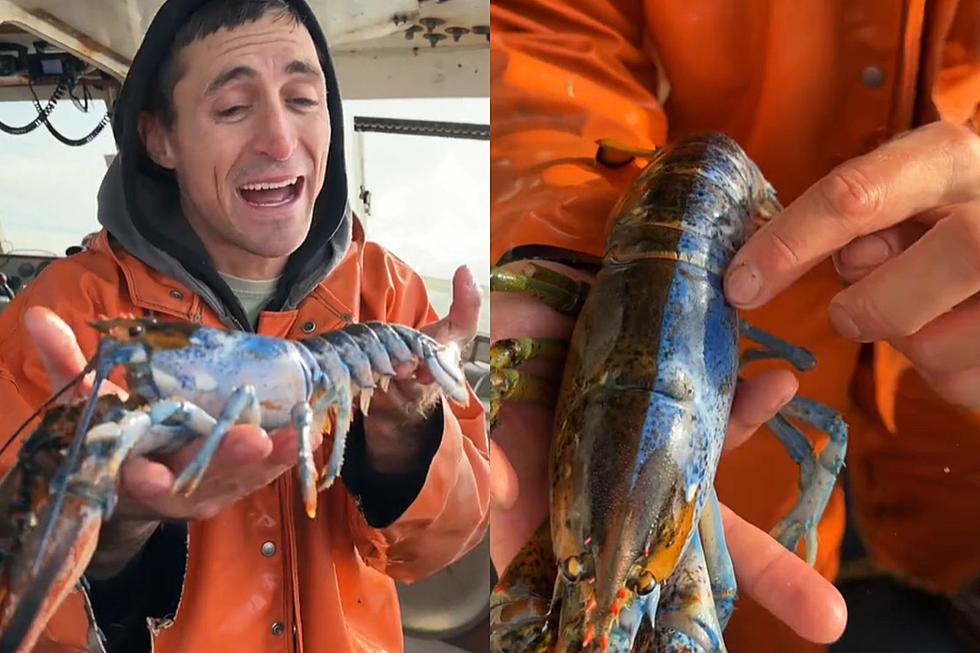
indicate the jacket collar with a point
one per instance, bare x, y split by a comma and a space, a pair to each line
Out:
332, 298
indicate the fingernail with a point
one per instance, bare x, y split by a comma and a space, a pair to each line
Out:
865, 252
743, 284
842, 322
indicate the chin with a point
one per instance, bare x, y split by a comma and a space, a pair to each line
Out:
276, 244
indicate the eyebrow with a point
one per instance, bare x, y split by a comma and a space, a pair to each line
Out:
229, 76
304, 68
295, 67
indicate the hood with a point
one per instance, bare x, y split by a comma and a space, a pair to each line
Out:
139, 202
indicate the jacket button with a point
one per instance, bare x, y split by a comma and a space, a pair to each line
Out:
277, 628
176, 294
309, 327
872, 76
268, 549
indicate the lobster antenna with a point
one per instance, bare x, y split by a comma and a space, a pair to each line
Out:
61, 481
47, 402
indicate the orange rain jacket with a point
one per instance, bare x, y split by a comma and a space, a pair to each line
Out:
330, 578
803, 86
261, 577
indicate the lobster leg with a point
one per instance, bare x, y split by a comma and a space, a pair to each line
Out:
817, 474
519, 604
333, 395
773, 347
302, 417
561, 293
508, 383
687, 621
241, 402
513, 352
511, 384
721, 573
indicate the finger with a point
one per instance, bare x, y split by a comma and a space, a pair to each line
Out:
782, 583
461, 322
503, 479
241, 445
144, 480
866, 253
464, 313
60, 354
961, 388
936, 273
405, 370
859, 257
57, 347
424, 377
285, 444
950, 343
757, 400
935, 165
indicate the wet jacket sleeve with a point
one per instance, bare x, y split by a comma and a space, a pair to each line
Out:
563, 75
411, 526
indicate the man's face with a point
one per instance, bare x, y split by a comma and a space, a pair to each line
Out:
250, 142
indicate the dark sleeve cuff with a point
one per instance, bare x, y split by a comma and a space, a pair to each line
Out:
149, 588
383, 498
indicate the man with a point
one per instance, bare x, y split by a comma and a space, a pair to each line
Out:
810, 90
227, 206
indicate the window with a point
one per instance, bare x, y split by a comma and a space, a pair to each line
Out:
50, 190
425, 198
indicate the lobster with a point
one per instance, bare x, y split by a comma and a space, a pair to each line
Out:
180, 377
632, 558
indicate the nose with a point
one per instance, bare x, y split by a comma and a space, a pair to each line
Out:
275, 137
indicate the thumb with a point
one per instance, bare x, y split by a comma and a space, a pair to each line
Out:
461, 322
60, 354
56, 345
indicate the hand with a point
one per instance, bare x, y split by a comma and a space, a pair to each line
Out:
247, 460
903, 226
775, 578
412, 394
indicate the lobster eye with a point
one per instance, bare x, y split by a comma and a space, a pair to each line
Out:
136, 331
572, 568
645, 583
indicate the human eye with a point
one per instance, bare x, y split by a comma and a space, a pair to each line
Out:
231, 113
304, 102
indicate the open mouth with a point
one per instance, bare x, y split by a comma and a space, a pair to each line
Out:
272, 194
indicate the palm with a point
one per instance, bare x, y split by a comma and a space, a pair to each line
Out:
247, 459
